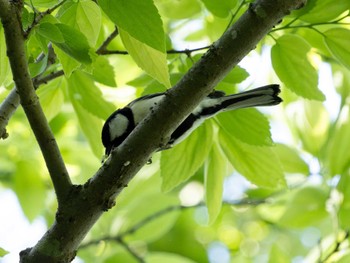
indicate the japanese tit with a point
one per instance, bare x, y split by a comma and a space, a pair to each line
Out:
121, 123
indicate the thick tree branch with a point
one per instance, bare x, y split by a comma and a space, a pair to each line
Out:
9, 13
88, 202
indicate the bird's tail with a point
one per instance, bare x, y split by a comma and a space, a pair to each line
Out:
263, 96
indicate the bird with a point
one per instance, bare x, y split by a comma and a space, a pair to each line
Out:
121, 122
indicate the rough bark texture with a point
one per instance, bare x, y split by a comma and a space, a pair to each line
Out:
81, 207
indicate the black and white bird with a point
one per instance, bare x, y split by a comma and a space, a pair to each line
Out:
121, 123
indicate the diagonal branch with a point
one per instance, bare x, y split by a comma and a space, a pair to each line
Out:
9, 13
88, 202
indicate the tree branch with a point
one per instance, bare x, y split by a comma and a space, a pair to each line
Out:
88, 202
9, 13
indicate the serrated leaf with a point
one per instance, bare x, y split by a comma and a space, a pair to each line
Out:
30, 189
337, 40
291, 160
220, 8
181, 162
103, 72
214, 174
291, 64
84, 16
83, 91
51, 98
75, 44
259, 164
140, 19
248, 125
305, 208
339, 158
149, 59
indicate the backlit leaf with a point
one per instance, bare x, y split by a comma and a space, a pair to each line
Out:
291, 64
337, 40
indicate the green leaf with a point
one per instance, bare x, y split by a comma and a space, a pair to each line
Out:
30, 189
42, 3
3, 252
91, 127
337, 40
258, 164
305, 208
103, 72
220, 8
291, 160
181, 162
214, 174
68, 63
75, 44
178, 9
84, 16
323, 10
291, 64
161, 257
5, 70
140, 19
82, 90
51, 98
50, 31
248, 125
339, 158
149, 59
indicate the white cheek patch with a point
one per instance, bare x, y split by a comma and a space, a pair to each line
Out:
118, 126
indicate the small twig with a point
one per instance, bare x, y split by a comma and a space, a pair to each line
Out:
108, 40
41, 16
47, 78
131, 251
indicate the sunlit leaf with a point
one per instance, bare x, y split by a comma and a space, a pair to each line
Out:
149, 59
278, 255
344, 209
259, 164
84, 16
291, 160
337, 40
68, 63
215, 172
50, 31
51, 98
290, 61
145, 25
181, 162
103, 72
83, 90
305, 208
248, 125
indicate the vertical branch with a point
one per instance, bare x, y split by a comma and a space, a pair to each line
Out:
10, 17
